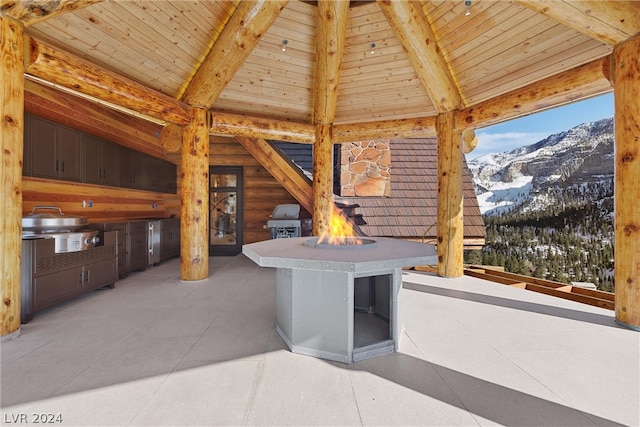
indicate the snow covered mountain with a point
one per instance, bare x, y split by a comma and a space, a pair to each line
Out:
574, 166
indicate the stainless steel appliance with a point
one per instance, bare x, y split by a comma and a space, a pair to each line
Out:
285, 221
155, 231
49, 222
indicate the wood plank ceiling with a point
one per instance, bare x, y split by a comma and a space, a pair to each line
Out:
500, 47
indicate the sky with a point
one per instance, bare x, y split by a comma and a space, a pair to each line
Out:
535, 127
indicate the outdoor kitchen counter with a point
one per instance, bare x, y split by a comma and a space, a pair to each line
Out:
339, 303
385, 253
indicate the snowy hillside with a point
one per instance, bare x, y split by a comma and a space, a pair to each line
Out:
536, 176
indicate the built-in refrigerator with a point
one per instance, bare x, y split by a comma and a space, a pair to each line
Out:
154, 241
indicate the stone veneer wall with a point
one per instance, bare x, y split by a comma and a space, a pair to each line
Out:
365, 169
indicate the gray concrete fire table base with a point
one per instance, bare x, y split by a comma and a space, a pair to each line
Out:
340, 304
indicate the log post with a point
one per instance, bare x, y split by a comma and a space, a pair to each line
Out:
627, 182
322, 180
449, 217
330, 41
11, 143
194, 213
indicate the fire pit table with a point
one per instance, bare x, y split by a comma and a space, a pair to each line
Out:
339, 303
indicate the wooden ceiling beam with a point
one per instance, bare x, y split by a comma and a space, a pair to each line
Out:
330, 40
253, 127
404, 128
236, 42
610, 22
416, 36
55, 66
31, 12
572, 85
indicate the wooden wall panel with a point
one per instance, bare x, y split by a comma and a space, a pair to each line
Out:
109, 204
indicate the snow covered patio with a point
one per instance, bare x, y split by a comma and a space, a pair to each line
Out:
158, 351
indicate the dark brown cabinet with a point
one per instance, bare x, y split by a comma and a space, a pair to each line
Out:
99, 161
27, 149
138, 245
121, 232
49, 278
170, 238
154, 174
54, 150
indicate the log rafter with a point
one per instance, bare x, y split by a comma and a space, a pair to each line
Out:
34, 11
56, 66
416, 36
239, 37
610, 22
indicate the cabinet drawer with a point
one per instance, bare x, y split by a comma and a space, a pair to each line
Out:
136, 227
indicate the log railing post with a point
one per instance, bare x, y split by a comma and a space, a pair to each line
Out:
449, 211
626, 86
194, 213
11, 145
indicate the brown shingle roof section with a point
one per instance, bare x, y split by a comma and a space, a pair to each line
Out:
411, 212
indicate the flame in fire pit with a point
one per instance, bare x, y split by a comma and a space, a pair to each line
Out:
340, 231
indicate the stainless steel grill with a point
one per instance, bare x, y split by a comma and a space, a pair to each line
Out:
285, 221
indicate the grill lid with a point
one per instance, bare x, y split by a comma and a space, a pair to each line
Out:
44, 222
286, 211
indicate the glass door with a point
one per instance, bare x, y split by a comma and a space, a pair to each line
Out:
225, 210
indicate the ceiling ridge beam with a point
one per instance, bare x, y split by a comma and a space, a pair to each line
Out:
412, 28
240, 36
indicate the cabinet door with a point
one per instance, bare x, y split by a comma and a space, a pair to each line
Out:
44, 158
175, 242
148, 172
139, 170
109, 154
138, 246
68, 145
100, 274
165, 243
124, 161
26, 146
168, 178
91, 164
57, 287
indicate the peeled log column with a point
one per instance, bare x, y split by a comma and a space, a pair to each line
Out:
194, 214
450, 219
322, 179
627, 183
11, 136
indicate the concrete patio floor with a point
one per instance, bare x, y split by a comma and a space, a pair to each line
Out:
157, 351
